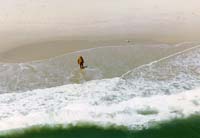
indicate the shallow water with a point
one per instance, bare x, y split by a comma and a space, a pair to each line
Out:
105, 62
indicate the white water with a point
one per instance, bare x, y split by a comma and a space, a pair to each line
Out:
158, 91
73, 104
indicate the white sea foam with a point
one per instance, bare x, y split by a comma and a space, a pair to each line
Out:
83, 102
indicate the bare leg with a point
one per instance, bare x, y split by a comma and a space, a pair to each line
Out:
81, 66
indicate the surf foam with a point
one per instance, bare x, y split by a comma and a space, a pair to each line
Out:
72, 104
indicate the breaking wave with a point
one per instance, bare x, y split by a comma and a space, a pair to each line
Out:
184, 128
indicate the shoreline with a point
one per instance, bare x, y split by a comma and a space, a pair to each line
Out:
47, 49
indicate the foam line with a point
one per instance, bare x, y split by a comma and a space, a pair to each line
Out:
167, 57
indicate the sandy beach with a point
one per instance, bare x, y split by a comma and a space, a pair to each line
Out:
140, 76
35, 30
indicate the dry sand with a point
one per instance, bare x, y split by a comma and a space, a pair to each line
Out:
34, 30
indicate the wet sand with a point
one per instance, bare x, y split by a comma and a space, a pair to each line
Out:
36, 50
44, 50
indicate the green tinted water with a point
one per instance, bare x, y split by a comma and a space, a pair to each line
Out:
179, 128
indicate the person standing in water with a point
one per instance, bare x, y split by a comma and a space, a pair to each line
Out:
81, 62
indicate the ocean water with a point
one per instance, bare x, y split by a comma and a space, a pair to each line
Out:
136, 91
